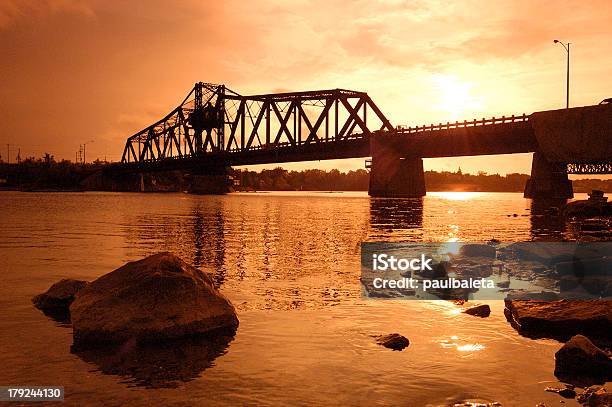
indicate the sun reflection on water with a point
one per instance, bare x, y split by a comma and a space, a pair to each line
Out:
461, 346
457, 196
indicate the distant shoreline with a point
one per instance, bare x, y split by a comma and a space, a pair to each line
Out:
65, 176
321, 191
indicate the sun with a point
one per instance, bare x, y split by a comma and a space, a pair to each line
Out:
455, 97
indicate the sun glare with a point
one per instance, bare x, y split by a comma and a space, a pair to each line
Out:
455, 97
457, 196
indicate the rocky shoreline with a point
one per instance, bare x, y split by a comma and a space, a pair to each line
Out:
161, 321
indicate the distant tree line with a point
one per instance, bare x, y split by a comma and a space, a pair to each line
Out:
47, 173
280, 179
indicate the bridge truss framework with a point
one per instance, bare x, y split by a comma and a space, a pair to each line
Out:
213, 120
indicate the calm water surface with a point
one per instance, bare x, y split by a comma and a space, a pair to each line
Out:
290, 264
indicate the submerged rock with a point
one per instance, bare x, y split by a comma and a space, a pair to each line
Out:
561, 319
158, 298
482, 311
393, 341
477, 250
57, 299
580, 358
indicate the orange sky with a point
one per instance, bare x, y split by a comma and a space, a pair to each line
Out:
77, 70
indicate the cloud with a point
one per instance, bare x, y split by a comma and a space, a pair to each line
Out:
14, 11
110, 68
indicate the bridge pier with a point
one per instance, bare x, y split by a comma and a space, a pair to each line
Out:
392, 175
548, 180
215, 182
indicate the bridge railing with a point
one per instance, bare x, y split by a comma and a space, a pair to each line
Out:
463, 124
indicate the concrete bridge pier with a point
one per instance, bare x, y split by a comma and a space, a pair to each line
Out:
394, 176
210, 182
548, 180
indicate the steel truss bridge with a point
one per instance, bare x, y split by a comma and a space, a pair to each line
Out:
215, 126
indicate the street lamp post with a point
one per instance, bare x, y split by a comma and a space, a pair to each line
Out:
85, 144
567, 49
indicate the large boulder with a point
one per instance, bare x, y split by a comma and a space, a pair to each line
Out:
158, 298
57, 299
561, 319
579, 357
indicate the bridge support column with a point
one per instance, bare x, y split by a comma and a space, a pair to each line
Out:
392, 175
217, 182
395, 176
548, 180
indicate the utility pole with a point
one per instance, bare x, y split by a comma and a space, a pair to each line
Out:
8, 153
84, 146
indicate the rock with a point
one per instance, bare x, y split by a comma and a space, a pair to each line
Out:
580, 357
477, 250
561, 319
503, 284
586, 267
151, 300
393, 341
587, 208
586, 287
567, 392
472, 270
482, 311
438, 271
594, 225
57, 299
475, 403
539, 296
595, 396
551, 253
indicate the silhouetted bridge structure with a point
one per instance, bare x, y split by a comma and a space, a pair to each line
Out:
214, 128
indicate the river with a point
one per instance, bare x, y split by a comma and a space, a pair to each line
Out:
290, 263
